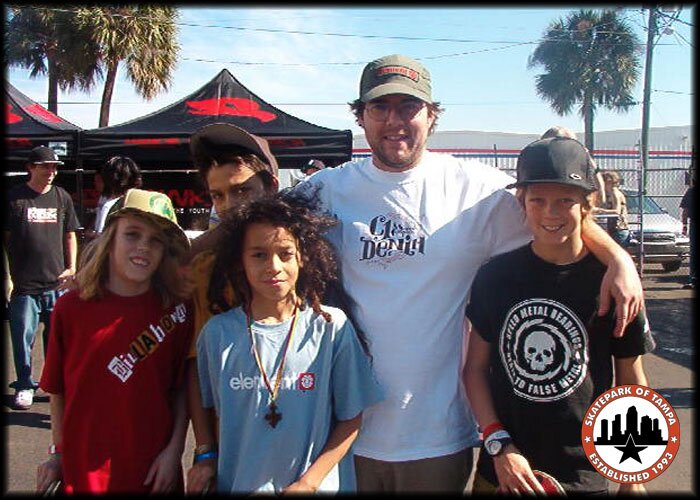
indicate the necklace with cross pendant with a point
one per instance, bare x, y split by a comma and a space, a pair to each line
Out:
273, 416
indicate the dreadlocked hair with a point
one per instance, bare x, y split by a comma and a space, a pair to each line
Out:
296, 214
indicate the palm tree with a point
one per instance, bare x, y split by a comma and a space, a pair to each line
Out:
590, 58
144, 37
47, 41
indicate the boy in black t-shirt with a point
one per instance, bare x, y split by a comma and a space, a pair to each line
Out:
42, 247
538, 354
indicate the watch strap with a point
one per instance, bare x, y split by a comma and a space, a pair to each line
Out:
499, 434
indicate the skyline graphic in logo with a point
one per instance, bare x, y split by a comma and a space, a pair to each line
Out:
630, 434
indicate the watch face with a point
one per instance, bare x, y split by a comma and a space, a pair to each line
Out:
493, 447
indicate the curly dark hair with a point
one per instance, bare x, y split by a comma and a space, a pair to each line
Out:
294, 213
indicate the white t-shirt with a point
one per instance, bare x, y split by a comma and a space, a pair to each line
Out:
102, 212
410, 244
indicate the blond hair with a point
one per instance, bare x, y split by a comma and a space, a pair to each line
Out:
558, 131
93, 266
586, 205
612, 176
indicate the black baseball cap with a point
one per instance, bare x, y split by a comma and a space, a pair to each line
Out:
556, 160
317, 164
42, 154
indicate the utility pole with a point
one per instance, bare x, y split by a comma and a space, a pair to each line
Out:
651, 33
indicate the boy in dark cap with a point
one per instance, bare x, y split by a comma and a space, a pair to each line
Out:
42, 247
538, 354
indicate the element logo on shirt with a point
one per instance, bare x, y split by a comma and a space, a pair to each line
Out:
544, 350
294, 381
391, 237
38, 215
307, 381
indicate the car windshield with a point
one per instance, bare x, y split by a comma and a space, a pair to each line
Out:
650, 206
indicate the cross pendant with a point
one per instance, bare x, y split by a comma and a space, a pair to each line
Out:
273, 416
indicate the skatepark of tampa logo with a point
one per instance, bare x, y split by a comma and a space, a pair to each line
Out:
630, 434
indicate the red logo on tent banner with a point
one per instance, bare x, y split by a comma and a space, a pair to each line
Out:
174, 141
234, 106
10, 117
286, 143
18, 142
44, 113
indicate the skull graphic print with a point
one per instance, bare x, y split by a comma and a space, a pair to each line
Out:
544, 349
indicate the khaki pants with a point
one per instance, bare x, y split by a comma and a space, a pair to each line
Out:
446, 474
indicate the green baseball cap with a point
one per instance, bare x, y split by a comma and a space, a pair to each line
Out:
154, 206
395, 74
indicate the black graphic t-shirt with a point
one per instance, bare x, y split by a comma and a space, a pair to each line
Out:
551, 356
37, 224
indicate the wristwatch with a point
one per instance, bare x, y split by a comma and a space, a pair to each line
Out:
496, 442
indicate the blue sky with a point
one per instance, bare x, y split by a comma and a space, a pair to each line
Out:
293, 58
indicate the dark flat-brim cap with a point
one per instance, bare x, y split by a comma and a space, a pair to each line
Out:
43, 154
559, 160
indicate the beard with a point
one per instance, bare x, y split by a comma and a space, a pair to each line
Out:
398, 162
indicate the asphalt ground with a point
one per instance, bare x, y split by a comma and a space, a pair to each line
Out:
670, 370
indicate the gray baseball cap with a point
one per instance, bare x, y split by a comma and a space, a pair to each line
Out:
559, 160
395, 74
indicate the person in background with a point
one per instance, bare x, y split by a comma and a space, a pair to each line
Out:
115, 364
315, 377
414, 228
118, 175
599, 193
538, 355
236, 167
313, 166
309, 168
42, 247
615, 204
687, 206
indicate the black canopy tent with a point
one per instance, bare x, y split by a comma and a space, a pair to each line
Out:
161, 139
28, 124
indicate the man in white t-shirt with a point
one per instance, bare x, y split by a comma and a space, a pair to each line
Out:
415, 226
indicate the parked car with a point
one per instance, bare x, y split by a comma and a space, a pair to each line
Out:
664, 241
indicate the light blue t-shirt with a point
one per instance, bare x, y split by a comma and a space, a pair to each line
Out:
326, 377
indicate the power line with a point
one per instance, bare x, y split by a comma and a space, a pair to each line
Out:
673, 92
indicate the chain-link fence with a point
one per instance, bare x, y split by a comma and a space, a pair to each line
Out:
660, 239
666, 175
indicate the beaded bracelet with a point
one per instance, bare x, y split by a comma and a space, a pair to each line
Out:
206, 455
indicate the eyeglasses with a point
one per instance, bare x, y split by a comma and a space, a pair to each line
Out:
379, 111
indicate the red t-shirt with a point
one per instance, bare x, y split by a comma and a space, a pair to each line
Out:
116, 361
